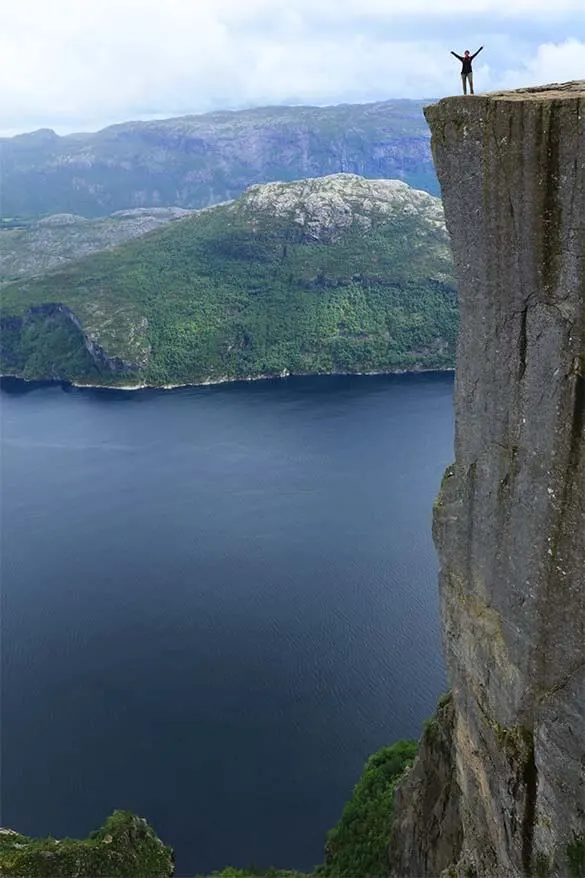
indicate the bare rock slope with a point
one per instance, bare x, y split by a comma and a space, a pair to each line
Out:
57, 239
509, 523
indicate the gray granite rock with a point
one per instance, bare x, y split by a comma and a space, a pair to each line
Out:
429, 797
509, 524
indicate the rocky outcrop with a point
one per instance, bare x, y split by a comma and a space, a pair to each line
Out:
101, 359
509, 524
429, 796
125, 846
326, 207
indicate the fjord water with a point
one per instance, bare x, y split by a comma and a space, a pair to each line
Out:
217, 602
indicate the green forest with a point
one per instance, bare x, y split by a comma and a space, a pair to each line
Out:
241, 292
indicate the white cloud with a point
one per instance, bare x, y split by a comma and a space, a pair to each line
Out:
550, 63
73, 64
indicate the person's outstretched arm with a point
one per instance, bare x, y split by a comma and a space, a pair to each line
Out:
460, 56
478, 51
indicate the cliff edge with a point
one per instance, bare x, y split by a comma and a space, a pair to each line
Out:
509, 524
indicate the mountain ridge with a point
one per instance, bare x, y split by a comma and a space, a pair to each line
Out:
509, 521
197, 160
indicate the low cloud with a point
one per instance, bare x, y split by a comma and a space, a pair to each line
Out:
550, 63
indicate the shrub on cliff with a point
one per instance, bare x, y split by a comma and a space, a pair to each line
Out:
358, 845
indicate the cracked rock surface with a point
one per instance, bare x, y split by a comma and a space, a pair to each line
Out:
509, 523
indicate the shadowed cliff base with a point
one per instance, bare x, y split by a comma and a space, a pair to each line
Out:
509, 524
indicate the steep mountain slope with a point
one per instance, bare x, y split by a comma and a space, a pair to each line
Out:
50, 242
195, 161
509, 524
323, 275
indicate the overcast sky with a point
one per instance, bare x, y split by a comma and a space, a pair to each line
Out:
76, 65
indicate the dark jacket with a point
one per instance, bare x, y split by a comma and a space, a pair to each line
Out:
466, 62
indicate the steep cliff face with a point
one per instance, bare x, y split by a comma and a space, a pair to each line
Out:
510, 520
427, 833
48, 342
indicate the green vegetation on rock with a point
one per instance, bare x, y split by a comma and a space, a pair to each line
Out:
125, 847
358, 845
46, 343
338, 274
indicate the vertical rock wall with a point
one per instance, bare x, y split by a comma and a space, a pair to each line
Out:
509, 523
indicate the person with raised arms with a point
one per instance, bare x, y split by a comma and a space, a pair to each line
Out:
466, 69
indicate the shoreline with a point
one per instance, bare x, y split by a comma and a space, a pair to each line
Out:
211, 382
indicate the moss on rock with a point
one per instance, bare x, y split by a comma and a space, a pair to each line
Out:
125, 847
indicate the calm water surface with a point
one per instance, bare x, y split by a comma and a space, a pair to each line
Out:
217, 602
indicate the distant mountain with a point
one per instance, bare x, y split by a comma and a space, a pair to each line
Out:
196, 161
48, 243
322, 275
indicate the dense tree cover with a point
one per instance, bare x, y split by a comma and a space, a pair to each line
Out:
358, 845
237, 292
45, 346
